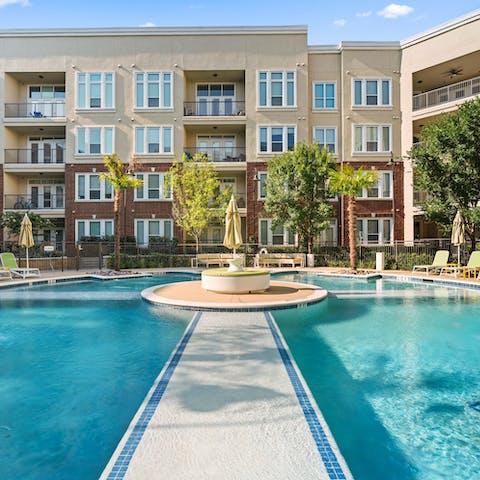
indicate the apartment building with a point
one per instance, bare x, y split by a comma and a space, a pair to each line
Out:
241, 95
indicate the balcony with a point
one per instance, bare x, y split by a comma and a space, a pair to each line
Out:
34, 156
35, 110
214, 108
21, 201
450, 93
218, 154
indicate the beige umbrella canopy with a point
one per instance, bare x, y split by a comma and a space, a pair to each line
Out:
233, 227
26, 235
458, 232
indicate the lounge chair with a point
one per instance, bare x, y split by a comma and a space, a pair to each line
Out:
5, 273
440, 261
9, 262
471, 269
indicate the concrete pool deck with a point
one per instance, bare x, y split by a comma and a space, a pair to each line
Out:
230, 404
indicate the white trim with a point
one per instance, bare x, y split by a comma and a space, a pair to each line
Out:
379, 186
88, 221
269, 138
102, 107
379, 81
325, 127
286, 234
381, 241
87, 140
259, 189
145, 91
102, 182
145, 240
161, 188
324, 109
364, 138
161, 146
285, 81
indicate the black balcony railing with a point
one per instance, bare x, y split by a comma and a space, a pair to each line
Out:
35, 110
214, 108
32, 155
218, 154
34, 202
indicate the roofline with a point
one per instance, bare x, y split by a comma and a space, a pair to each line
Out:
353, 46
440, 29
155, 31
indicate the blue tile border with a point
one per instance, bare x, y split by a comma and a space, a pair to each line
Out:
329, 459
122, 462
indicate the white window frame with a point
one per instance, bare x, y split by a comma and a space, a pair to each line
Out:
380, 186
379, 81
161, 98
286, 234
87, 140
381, 235
284, 89
161, 187
47, 99
379, 137
87, 198
325, 83
90, 220
335, 152
145, 241
103, 84
323, 234
269, 138
259, 175
161, 146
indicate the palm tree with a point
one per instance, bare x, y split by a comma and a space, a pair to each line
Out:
119, 175
350, 182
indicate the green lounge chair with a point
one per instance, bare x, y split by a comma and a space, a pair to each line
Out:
440, 261
472, 268
9, 262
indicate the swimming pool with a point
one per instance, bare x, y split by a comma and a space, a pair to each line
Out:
393, 367
77, 360
395, 376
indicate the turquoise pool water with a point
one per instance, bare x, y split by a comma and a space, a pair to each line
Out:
76, 361
394, 376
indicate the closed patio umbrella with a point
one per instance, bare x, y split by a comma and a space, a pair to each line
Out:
458, 232
26, 235
233, 226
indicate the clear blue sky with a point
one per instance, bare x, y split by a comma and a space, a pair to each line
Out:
328, 22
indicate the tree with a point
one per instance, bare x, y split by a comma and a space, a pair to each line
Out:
13, 220
447, 167
119, 175
349, 182
197, 200
296, 194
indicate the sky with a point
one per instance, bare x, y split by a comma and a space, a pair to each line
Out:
328, 22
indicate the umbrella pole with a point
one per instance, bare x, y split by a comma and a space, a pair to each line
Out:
27, 261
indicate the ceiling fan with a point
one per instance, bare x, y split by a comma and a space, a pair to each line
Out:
454, 72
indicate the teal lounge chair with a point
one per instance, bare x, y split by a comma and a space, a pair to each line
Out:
440, 261
9, 262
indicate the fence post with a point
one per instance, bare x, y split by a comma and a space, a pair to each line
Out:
100, 257
63, 252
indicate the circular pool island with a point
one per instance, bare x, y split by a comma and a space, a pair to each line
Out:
223, 280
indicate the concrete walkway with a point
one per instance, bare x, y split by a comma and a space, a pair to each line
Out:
229, 404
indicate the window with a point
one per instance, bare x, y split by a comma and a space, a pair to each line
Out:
153, 90
262, 185
154, 187
383, 189
372, 138
276, 139
329, 236
89, 186
372, 92
153, 140
276, 89
93, 228
374, 230
275, 236
324, 95
46, 93
95, 90
95, 140
147, 231
326, 137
